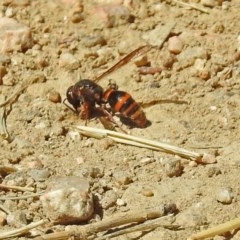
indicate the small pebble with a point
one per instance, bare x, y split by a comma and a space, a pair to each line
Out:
191, 219
91, 41
175, 45
54, 97
75, 136
39, 174
122, 178
225, 195
20, 3
17, 219
3, 218
109, 200
121, 202
68, 61
14, 36
210, 3
77, 17
107, 143
173, 168
114, 14
147, 192
204, 74
3, 72
88, 143
141, 61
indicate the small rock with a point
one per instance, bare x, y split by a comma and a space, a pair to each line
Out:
225, 195
121, 202
68, 61
20, 3
21, 142
187, 57
208, 159
172, 168
75, 136
68, 200
17, 219
147, 192
88, 143
96, 172
114, 14
54, 97
191, 219
213, 171
91, 41
175, 45
107, 143
210, 3
3, 218
122, 178
157, 36
109, 200
3, 72
141, 61
39, 174
14, 36
204, 74
77, 17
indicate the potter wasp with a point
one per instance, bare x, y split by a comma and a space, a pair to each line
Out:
88, 98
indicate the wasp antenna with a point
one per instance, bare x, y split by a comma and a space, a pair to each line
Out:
64, 102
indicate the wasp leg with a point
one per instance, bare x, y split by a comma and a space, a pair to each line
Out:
108, 121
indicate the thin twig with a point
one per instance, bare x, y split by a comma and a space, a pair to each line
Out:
23, 189
22, 197
87, 231
194, 6
4, 209
13, 97
22, 230
146, 226
217, 230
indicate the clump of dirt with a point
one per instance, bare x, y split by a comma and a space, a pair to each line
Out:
193, 79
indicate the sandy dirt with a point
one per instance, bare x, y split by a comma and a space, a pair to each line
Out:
205, 74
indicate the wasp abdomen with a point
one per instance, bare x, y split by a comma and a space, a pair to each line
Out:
123, 103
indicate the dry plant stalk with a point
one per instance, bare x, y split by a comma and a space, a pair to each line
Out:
139, 142
17, 188
21, 231
89, 231
217, 230
146, 226
22, 197
193, 6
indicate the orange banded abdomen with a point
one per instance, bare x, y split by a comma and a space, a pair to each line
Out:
123, 103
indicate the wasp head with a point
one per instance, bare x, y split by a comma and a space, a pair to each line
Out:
73, 97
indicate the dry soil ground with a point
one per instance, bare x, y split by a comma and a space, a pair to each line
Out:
205, 74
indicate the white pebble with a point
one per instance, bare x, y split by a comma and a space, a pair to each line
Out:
68, 200
74, 135
120, 202
225, 195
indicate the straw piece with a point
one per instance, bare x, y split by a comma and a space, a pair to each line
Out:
194, 6
217, 230
120, 220
139, 142
23, 189
22, 230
